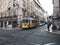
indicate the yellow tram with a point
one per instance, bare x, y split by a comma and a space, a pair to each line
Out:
29, 22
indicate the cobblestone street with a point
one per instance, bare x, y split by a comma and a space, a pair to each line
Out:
35, 36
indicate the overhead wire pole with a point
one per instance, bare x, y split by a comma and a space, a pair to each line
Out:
1, 13
1, 7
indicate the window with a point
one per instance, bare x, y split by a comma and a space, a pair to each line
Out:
9, 8
24, 3
27, 21
14, 12
32, 21
23, 21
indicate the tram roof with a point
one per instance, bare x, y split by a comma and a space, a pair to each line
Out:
29, 18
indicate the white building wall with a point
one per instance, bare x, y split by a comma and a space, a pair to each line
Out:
6, 4
38, 11
19, 11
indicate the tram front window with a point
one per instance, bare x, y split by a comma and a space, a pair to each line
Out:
25, 21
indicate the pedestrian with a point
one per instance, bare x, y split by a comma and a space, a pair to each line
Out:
49, 23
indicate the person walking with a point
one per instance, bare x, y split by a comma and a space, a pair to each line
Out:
49, 23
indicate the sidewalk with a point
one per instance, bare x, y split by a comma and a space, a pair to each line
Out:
4, 28
55, 31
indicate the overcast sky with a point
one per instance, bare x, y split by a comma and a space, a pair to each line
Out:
47, 5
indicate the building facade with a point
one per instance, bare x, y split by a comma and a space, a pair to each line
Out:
39, 11
56, 13
11, 15
56, 7
15, 10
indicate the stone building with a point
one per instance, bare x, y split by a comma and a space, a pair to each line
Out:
56, 7
11, 15
56, 13
15, 10
39, 11
35, 10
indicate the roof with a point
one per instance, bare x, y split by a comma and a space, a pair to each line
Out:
29, 18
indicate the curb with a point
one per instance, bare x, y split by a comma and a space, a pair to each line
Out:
57, 32
53, 31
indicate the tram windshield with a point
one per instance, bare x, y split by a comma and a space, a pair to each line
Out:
25, 21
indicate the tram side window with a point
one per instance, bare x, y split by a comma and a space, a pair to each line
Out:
35, 21
32, 21
27, 21
23, 21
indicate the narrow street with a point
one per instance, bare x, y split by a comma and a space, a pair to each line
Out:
18, 19
35, 36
